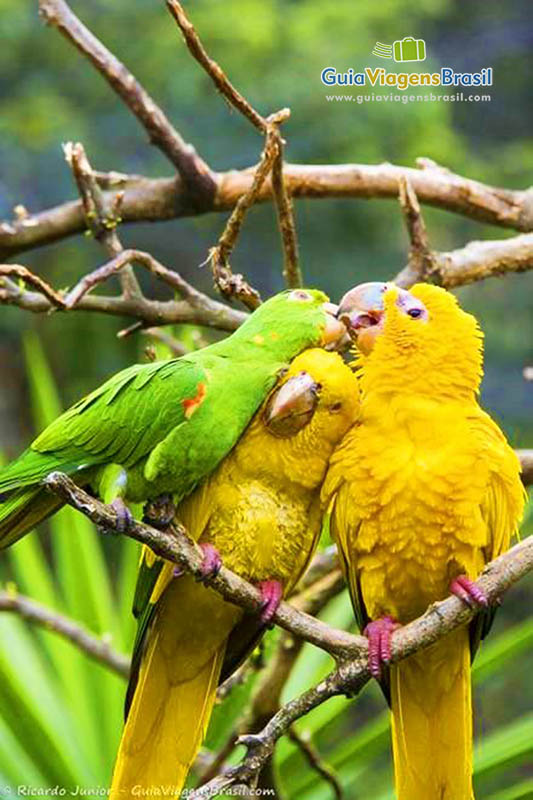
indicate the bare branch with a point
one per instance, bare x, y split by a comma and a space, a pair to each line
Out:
26, 276
194, 171
151, 312
148, 199
285, 212
176, 347
117, 264
480, 260
351, 675
101, 221
421, 259
176, 546
96, 648
216, 73
304, 743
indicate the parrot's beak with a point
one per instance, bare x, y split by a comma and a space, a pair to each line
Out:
362, 311
291, 406
335, 336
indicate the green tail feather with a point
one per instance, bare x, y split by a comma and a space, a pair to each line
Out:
23, 510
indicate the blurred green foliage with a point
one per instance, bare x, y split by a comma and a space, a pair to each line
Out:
61, 714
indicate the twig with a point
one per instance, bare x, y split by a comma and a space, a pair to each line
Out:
217, 74
101, 221
229, 284
152, 199
196, 174
480, 260
117, 264
272, 160
96, 648
176, 347
421, 260
215, 765
27, 276
305, 744
285, 212
146, 312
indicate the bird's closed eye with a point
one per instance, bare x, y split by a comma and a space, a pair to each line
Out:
335, 407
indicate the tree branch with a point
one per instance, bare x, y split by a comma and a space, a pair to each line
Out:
101, 220
147, 199
96, 648
195, 172
177, 547
351, 675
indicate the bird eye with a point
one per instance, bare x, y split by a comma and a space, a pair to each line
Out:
335, 407
415, 312
301, 296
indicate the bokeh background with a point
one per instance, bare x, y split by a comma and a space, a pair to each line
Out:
274, 51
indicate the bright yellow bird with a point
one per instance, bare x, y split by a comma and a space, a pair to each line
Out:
260, 511
424, 490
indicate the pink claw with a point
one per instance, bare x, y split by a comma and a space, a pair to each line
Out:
379, 635
211, 564
271, 593
469, 592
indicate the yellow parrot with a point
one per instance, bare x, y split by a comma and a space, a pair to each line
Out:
423, 491
260, 513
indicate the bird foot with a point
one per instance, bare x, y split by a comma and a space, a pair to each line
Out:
271, 595
159, 512
211, 564
124, 517
379, 635
469, 592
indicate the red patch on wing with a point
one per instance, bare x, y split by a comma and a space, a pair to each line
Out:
191, 404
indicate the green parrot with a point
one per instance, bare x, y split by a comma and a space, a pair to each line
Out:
158, 429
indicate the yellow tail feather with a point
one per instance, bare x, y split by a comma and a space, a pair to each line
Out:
175, 692
432, 722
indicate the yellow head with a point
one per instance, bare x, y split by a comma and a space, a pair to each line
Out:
414, 342
308, 413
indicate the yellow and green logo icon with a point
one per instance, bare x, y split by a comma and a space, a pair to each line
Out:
407, 49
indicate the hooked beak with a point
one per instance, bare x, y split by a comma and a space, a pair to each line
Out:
291, 406
335, 336
362, 312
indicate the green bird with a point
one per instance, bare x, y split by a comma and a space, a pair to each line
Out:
158, 429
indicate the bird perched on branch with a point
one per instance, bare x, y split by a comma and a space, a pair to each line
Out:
160, 428
423, 491
260, 512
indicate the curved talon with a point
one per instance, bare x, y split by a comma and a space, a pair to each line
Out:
379, 635
271, 594
124, 515
211, 564
159, 512
469, 592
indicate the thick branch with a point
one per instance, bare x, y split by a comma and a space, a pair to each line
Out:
349, 678
195, 172
148, 199
98, 649
176, 546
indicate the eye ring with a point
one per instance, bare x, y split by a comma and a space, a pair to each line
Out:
415, 313
301, 296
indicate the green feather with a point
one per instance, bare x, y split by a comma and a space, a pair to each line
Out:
169, 423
